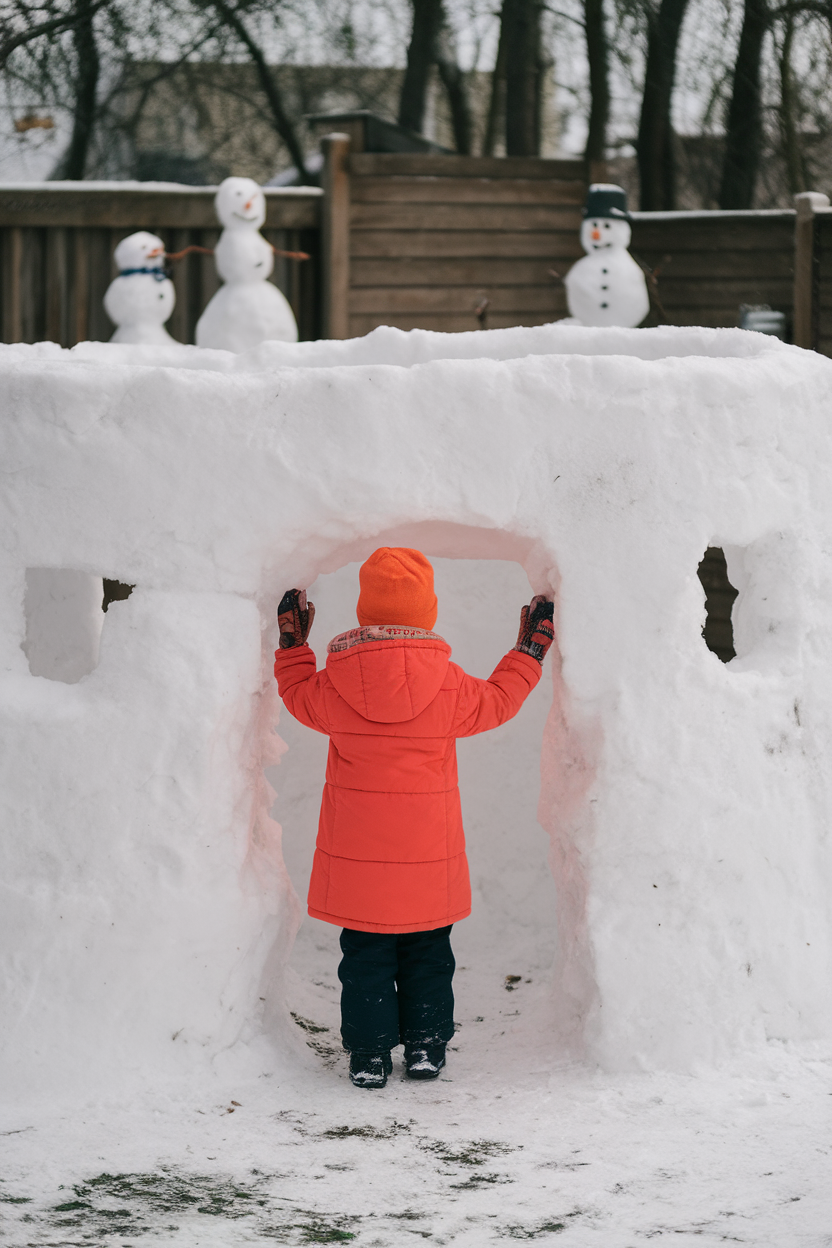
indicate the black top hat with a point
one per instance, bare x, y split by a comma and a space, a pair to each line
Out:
605, 200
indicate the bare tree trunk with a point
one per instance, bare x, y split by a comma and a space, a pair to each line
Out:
744, 130
520, 27
431, 43
497, 100
87, 68
421, 55
597, 51
656, 143
454, 83
268, 83
795, 170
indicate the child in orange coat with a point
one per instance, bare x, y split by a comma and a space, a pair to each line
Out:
390, 866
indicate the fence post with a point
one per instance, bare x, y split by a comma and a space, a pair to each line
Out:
806, 266
597, 171
12, 241
336, 235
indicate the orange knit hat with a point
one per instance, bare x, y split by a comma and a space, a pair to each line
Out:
397, 588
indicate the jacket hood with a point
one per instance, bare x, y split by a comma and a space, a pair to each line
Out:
391, 679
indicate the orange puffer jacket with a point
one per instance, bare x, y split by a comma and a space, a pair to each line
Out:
390, 854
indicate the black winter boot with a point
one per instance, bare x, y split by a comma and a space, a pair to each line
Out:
370, 1070
426, 1062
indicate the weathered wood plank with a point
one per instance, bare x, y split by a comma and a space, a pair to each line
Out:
514, 191
806, 257
178, 326
335, 241
209, 279
102, 270
710, 265
366, 164
55, 285
544, 244
79, 318
725, 292
130, 208
12, 284
759, 235
33, 286
310, 320
467, 272
458, 299
447, 217
455, 271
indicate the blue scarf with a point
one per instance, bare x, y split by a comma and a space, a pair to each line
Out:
159, 274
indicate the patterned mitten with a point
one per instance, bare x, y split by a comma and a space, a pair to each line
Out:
294, 618
537, 630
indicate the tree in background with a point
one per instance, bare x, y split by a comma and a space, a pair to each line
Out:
789, 112
597, 55
520, 32
87, 69
421, 58
134, 81
656, 143
744, 126
22, 23
431, 44
453, 80
232, 17
53, 32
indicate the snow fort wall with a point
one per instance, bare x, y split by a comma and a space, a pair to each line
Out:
148, 912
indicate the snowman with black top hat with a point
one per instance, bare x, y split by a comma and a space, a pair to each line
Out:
606, 286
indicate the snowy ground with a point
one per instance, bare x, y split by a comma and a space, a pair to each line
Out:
505, 1146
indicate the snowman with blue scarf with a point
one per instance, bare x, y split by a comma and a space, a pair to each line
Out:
141, 298
606, 287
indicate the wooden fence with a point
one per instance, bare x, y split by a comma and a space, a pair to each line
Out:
57, 242
420, 241
711, 263
412, 240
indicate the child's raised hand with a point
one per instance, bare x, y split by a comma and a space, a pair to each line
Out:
537, 629
294, 618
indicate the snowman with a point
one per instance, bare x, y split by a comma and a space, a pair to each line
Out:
606, 287
248, 309
141, 298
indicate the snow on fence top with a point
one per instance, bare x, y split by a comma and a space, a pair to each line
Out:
688, 801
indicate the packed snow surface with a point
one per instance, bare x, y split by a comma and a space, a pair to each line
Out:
148, 911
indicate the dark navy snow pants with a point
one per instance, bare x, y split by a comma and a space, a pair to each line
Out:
396, 989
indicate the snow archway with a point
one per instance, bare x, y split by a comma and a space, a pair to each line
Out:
512, 930
147, 906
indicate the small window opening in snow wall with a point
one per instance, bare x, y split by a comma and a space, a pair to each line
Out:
115, 591
718, 630
63, 623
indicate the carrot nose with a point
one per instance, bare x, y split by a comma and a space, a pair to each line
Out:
596, 234
157, 251
247, 206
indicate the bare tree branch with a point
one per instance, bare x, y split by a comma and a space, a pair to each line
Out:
54, 26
